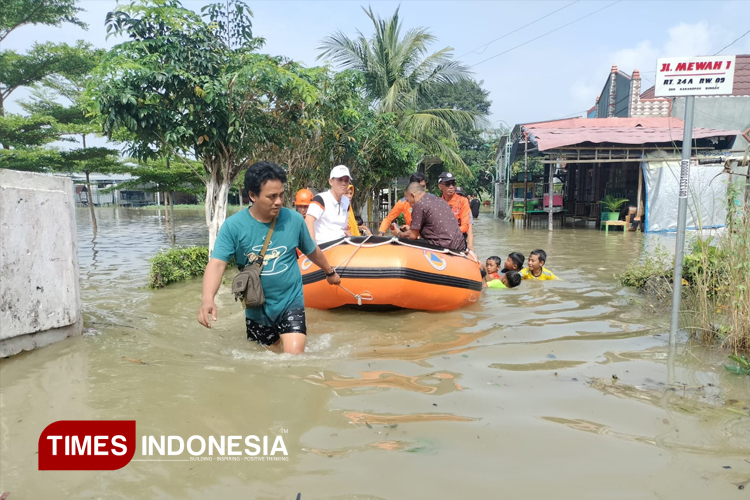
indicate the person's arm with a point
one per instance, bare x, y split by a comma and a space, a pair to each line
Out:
310, 223
470, 238
411, 234
397, 210
465, 216
211, 282
318, 258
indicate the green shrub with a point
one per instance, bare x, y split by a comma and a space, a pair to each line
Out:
654, 264
177, 264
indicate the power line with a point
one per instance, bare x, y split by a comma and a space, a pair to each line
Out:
735, 40
516, 30
547, 33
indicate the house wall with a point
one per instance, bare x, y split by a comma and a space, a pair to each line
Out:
40, 299
723, 113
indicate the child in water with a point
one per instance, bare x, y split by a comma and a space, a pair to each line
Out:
492, 267
514, 262
511, 279
536, 269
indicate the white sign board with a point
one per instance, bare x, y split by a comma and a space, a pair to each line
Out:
683, 76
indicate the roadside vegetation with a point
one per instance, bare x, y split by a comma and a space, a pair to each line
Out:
716, 273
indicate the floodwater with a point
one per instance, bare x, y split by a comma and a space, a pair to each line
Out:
512, 397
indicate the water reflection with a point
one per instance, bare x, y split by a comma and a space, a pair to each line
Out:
436, 403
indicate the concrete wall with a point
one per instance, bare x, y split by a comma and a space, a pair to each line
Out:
40, 299
721, 112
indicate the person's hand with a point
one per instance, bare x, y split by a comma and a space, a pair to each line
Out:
404, 228
207, 312
334, 279
347, 232
381, 233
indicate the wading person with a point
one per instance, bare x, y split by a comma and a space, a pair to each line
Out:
459, 205
402, 207
431, 219
243, 236
328, 214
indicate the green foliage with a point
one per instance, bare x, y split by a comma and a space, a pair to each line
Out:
17, 13
612, 203
742, 366
177, 264
41, 61
477, 148
398, 78
653, 264
167, 175
179, 89
33, 159
17, 131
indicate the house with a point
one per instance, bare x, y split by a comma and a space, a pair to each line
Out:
621, 97
636, 158
103, 194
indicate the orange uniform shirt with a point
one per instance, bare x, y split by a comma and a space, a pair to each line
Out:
401, 207
461, 210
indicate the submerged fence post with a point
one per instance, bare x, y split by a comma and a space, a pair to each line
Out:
687, 139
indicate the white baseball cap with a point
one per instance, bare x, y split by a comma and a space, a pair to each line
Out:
340, 171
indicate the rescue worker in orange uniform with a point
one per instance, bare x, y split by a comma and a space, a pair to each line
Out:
459, 204
302, 200
402, 207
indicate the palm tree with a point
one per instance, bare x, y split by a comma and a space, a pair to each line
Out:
399, 76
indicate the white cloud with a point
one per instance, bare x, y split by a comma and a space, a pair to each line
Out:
683, 40
690, 40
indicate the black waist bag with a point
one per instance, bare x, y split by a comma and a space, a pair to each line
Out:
246, 286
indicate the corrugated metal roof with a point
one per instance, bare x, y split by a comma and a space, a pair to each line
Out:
630, 131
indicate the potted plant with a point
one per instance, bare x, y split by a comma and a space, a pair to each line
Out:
612, 205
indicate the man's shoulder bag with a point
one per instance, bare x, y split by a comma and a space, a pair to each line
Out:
246, 286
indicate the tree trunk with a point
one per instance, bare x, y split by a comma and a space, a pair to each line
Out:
91, 203
166, 207
174, 221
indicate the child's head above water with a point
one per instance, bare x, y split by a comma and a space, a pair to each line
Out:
493, 264
514, 262
537, 258
511, 279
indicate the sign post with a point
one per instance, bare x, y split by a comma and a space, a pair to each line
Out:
689, 77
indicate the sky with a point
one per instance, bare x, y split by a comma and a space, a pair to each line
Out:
539, 60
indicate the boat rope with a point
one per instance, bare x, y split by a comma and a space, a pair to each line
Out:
346, 261
359, 296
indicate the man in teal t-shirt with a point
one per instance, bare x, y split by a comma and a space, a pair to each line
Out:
242, 235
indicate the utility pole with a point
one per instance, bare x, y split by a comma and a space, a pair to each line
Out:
687, 139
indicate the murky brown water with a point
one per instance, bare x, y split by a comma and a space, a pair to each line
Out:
513, 397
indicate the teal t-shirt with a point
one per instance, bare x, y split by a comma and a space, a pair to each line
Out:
242, 236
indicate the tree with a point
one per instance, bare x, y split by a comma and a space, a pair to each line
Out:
70, 120
180, 88
17, 13
399, 77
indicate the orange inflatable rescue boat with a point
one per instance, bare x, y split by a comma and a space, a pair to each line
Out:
380, 272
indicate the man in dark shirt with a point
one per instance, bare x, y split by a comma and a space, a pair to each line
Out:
474, 204
432, 219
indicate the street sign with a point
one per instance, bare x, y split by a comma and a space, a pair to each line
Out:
697, 76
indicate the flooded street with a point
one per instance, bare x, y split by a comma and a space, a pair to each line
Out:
551, 390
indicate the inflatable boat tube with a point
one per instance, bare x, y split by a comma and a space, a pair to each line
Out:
382, 272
